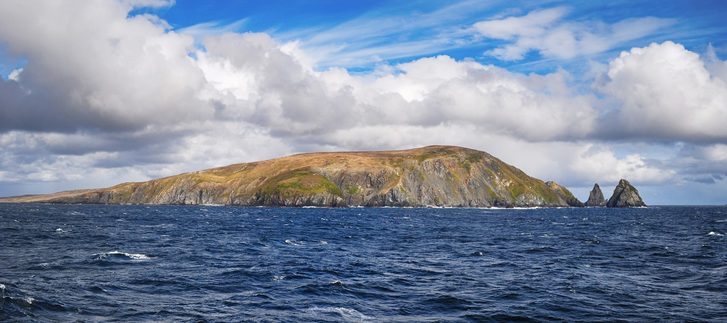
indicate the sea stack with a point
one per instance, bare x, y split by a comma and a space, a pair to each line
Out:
625, 195
596, 197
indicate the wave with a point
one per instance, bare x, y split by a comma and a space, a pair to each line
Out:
347, 314
120, 255
448, 302
23, 304
293, 242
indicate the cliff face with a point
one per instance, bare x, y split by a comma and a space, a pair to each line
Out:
429, 176
595, 198
625, 195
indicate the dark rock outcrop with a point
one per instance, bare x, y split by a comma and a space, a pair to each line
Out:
625, 195
595, 198
428, 176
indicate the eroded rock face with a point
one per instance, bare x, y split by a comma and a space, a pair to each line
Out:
625, 195
564, 194
595, 198
429, 176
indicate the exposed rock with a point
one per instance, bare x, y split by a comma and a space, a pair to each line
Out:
429, 176
625, 195
595, 198
564, 193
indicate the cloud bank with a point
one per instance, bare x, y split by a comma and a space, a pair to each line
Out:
113, 96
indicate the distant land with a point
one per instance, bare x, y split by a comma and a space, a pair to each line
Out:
428, 176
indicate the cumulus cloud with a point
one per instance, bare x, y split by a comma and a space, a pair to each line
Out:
602, 164
665, 92
90, 65
547, 32
253, 79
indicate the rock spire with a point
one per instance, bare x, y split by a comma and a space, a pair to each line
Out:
625, 195
596, 197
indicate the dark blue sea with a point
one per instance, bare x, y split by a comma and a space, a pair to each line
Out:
209, 263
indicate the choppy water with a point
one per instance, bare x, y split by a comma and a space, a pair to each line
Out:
174, 263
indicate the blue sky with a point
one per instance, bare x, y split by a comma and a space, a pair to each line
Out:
97, 93
696, 24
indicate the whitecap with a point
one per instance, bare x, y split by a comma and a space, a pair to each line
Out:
348, 314
324, 242
293, 242
116, 253
278, 277
137, 256
59, 230
712, 233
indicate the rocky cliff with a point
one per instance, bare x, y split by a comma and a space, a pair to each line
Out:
625, 195
429, 176
595, 198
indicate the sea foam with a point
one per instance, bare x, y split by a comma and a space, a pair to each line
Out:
116, 253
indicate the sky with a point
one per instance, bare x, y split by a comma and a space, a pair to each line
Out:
94, 93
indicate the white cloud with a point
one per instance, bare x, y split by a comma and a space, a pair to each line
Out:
546, 32
102, 69
716, 67
148, 3
15, 74
211, 28
533, 24
602, 165
665, 92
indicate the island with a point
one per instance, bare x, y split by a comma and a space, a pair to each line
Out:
428, 176
442, 176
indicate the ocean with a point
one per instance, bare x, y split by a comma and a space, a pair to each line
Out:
228, 264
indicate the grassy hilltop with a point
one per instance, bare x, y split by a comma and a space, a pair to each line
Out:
428, 176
